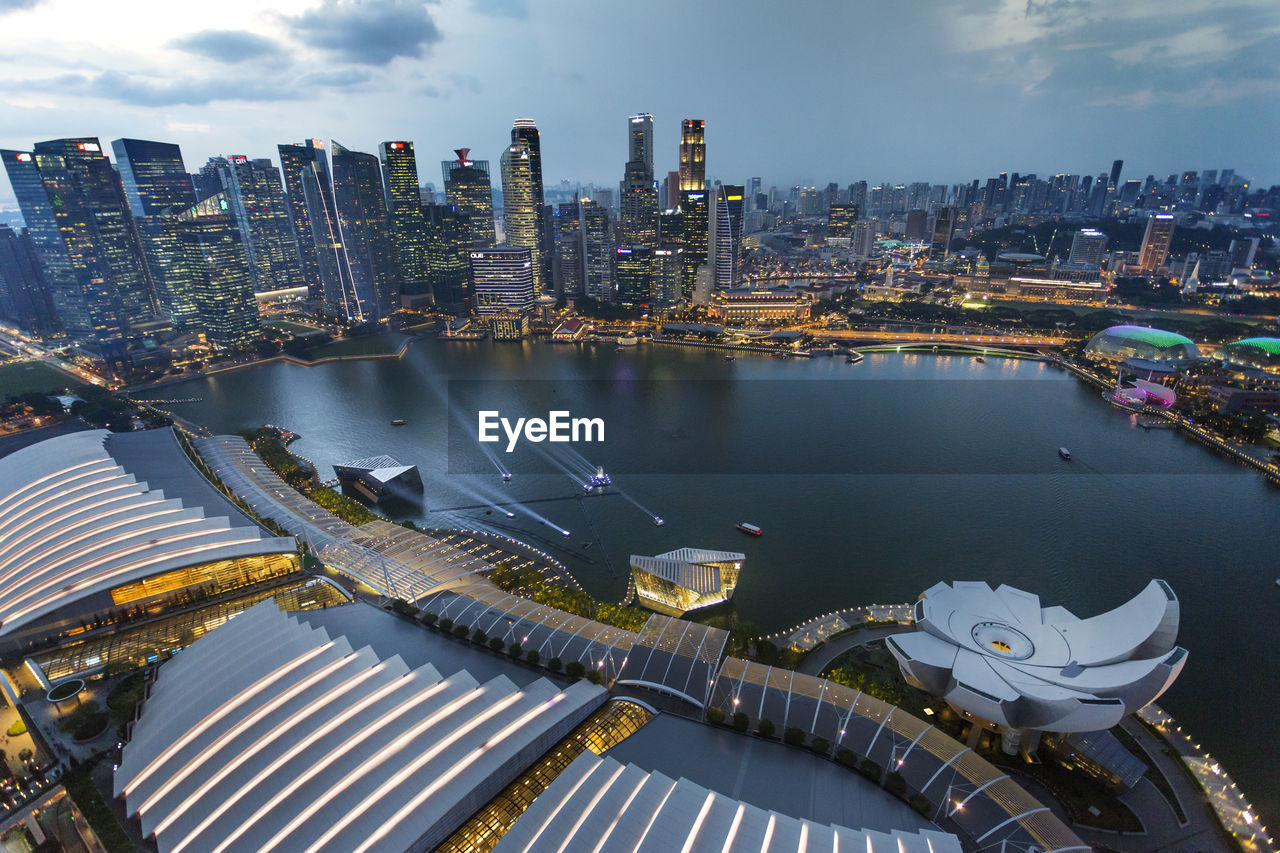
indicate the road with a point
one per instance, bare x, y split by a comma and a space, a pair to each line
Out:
870, 336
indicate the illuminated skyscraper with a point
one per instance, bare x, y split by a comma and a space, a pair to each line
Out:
305, 168
726, 238
261, 211
694, 212
1115, 173
693, 155
840, 219
448, 256
634, 269
24, 299
568, 249
522, 196
667, 269
597, 252
672, 199
217, 282
404, 215
944, 225
503, 279
1089, 246
153, 175
366, 235
917, 222
639, 198
467, 186
1156, 241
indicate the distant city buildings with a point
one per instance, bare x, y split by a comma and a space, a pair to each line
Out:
1156, 241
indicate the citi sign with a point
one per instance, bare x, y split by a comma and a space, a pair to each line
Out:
559, 427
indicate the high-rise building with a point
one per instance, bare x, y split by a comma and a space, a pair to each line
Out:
568, 268
694, 209
84, 234
216, 269
503, 279
1114, 179
597, 252
523, 213
24, 299
917, 223
468, 187
726, 237
448, 256
944, 225
1156, 241
261, 211
864, 237
153, 175
305, 168
1088, 246
840, 221
693, 155
368, 253
638, 197
667, 268
404, 215
858, 196
633, 267
672, 199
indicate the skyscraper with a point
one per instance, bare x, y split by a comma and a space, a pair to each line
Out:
221, 285
261, 211
568, 249
597, 252
672, 183
667, 269
639, 198
694, 242
448, 256
503, 279
917, 222
365, 232
1115, 173
693, 155
305, 168
154, 178
1156, 241
404, 215
634, 269
522, 196
840, 220
1088, 246
726, 237
944, 224
24, 299
864, 237
467, 186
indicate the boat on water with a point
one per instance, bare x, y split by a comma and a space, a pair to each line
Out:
398, 422
750, 528
506, 476
730, 358
1064, 453
658, 521
980, 359
598, 480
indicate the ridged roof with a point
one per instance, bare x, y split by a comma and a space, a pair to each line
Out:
1156, 337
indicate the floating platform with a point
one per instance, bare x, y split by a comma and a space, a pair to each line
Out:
380, 478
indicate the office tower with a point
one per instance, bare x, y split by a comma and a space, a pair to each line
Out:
633, 267
503, 279
858, 196
726, 237
404, 215
207, 181
219, 291
672, 197
604, 198
1227, 178
261, 211
1098, 197
638, 218
427, 194
693, 155
1242, 252
448, 233
1089, 246
917, 222
597, 252
24, 299
1114, 179
667, 268
864, 237
694, 241
753, 190
83, 233
840, 220
366, 239
467, 186
522, 196
568, 265
1155, 242
944, 225
305, 168
153, 175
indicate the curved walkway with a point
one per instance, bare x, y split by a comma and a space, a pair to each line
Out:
822, 656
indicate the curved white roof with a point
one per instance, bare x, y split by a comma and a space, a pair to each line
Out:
600, 804
268, 734
1000, 655
86, 512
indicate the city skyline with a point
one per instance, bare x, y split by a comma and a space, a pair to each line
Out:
1162, 81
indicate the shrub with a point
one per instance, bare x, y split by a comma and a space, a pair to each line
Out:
847, 757
793, 736
515, 650
741, 721
766, 728
532, 656
478, 637
895, 784
445, 625
496, 644
430, 618
574, 669
870, 769
920, 803
820, 745
403, 608
18, 728
595, 676
715, 716
555, 665
461, 631
25, 755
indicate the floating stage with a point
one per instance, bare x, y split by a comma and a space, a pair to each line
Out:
380, 478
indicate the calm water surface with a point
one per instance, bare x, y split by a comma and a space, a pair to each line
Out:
872, 482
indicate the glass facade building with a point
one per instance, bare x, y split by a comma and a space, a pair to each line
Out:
408, 229
216, 270
522, 196
503, 279
1123, 342
469, 188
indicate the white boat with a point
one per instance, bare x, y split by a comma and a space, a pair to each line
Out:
658, 521
1064, 453
750, 528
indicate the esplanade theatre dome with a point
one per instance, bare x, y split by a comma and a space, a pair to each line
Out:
1257, 353
1123, 342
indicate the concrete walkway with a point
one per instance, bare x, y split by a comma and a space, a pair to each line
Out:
822, 655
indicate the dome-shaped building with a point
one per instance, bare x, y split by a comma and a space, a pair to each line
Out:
1120, 343
1252, 353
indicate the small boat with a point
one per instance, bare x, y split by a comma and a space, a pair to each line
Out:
1064, 453
658, 521
619, 349
398, 422
980, 359
506, 477
750, 528
730, 358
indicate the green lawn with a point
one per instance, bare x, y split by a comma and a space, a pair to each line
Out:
291, 327
383, 343
26, 377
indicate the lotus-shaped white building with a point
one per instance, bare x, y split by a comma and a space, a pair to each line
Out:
999, 655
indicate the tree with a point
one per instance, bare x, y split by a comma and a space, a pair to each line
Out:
847, 757
461, 631
715, 716
515, 651
595, 676
445, 624
766, 727
793, 736
820, 745
870, 769
575, 669
532, 656
496, 644
555, 665
430, 618
895, 784
478, 637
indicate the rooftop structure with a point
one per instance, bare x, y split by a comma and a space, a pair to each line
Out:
379, 478
270, 734
95, 520
686, 579
1118, 343
997, 654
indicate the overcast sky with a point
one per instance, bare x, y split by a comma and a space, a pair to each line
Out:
806, 91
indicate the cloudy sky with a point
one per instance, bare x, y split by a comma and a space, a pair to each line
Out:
797, 92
